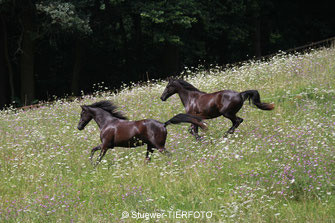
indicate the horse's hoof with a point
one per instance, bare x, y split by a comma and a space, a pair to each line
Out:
167, 153
226, 134
96, 163
230, 131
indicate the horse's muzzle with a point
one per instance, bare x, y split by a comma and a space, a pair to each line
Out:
163, 99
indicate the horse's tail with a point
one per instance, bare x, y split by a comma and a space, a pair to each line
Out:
253, 95
187, 118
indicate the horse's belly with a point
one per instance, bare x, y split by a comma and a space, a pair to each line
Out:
212, 114
132, 142
206, 113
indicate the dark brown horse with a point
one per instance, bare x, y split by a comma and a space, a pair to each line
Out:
117, 131
211, 105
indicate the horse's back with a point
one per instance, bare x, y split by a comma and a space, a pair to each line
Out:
231, 96
212, 105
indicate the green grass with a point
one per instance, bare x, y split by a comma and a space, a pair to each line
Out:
277, 167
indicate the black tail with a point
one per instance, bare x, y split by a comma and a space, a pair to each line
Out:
186, 118
253, 95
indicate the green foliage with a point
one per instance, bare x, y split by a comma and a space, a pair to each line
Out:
166, 18
5, 5
133, 40
63, 15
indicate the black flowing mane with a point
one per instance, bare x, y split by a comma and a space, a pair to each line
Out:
110, 108
187, 85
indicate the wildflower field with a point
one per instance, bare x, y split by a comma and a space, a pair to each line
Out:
279, 166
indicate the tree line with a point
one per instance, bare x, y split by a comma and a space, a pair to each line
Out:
59, 47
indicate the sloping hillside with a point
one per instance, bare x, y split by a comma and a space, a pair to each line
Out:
278, 166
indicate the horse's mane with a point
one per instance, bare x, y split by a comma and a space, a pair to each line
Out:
109, 107
187, 85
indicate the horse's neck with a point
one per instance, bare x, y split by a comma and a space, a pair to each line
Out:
101, 117
184, 96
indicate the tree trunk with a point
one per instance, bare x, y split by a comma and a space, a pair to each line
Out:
78, 64
4, 98
10, 80
254, 12
27, 56
257, 36
116, 13
170, 60
124, 51
137, 21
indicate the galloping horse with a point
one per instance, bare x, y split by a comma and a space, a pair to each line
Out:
117, 131
211, 105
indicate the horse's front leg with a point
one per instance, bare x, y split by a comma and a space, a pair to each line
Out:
94, 150
101, 155
194, 129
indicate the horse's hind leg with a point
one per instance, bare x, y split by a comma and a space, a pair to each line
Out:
161, 148
194, 129
149, 150
164, 151
236, 121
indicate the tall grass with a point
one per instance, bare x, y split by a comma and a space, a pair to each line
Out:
278, 166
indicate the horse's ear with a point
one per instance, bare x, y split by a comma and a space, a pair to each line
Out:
170, 79
84, 107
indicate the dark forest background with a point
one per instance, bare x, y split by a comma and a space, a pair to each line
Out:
62, 47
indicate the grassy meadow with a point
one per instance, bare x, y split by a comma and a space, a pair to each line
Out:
279, 166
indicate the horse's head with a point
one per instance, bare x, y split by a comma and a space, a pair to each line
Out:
170, 90
85, 117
